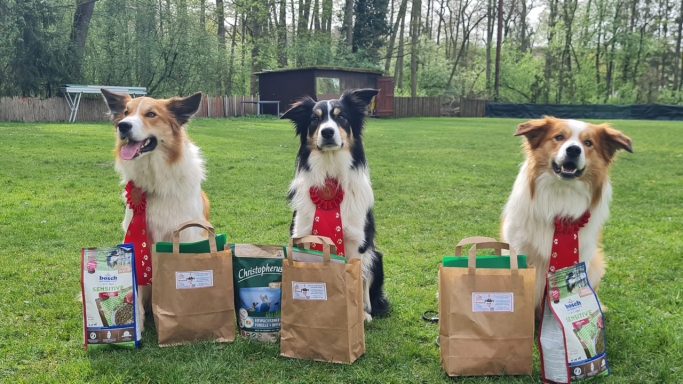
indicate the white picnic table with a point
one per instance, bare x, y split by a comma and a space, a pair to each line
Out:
73, 93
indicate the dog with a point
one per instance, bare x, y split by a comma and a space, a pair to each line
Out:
565, 175
331, 147
154, 152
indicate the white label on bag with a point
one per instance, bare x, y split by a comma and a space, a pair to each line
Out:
194, 279
493, 302
309, 291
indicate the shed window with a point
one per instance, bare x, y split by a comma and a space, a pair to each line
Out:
328, 85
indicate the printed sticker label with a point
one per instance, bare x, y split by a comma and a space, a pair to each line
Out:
309, 291
493, 302
194, 279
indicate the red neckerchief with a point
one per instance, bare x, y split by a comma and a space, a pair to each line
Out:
137, 233
327, 221
565, 251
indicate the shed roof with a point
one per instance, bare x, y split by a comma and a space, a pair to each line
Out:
325, 68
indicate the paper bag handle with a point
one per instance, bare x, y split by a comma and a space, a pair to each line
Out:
498, 246
326, 242
474, 240
195, 223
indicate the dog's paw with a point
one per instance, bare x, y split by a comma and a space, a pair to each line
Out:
368, 317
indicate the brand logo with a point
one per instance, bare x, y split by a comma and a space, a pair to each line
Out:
108, 278
259, 271
572, 305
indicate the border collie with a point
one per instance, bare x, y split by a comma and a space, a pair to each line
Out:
154, 152
331, 134
565, 175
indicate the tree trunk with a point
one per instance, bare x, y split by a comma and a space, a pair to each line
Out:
347, 23
231, 61
610, 63
499, 42
282, 34
414, 39
316, 16
398, 72
79, 35
677, 58
549, 58
394, 31
490, 17
202, 15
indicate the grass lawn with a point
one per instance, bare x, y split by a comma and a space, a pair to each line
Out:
436, 181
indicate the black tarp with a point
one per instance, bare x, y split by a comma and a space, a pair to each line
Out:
611, 112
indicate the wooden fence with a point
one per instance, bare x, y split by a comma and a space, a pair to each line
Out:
94, 109
29, 109
417, 106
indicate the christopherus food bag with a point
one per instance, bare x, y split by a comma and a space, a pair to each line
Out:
192, 294
486, 324
109, 288
322, 306
258, 281
572, 337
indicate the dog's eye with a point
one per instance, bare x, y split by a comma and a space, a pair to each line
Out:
150, 114
588, 143
559, 138
125, 113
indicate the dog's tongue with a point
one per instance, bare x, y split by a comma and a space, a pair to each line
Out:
131, 149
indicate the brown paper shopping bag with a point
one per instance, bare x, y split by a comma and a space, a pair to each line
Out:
486, 324
322, 307
192, 293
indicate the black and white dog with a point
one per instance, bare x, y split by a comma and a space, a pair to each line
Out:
332, 148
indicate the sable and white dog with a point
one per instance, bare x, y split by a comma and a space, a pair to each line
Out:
154, 152
565, 174
332, 147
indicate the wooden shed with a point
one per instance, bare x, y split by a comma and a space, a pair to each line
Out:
288, 85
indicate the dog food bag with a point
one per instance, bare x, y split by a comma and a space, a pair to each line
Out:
109, 290
258, 280
572, 338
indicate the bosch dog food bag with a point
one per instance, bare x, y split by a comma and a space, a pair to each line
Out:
192, 294
486, 310
572, 337
109, 290
258, 282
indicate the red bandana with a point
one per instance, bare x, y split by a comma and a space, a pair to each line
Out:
137, 233
565, 251
328, 221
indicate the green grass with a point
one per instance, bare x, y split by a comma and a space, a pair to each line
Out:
435, 180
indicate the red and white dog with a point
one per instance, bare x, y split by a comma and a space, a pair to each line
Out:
565, 175
154, 152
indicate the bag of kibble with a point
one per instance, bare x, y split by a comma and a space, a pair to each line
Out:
572, 337
109, 290
258, 281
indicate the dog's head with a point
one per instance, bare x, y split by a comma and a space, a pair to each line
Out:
331, 125
572, 149
146, 126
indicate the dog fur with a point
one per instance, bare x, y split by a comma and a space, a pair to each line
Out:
564, 175
153, 150
331, 146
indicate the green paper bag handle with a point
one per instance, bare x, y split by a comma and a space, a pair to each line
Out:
200, 224
326, 242
474, 240
496, 245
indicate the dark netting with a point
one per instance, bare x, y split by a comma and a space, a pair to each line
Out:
611, 112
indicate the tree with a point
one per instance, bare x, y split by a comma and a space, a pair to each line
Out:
369, 29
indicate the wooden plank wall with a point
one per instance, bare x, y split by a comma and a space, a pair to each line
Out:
472, 107
28, 109
417, 106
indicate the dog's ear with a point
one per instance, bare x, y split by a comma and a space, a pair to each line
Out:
184, 108
535, 130
300, 113
115, 102
359, 99
613, 140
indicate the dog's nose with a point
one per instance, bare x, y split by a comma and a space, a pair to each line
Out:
124, 127
327, 133
573, 151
